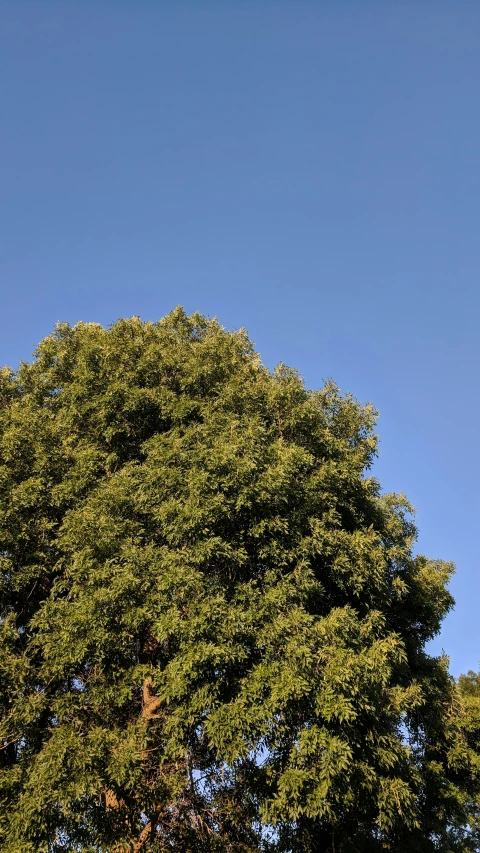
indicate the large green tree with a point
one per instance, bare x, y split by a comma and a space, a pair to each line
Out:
213, 626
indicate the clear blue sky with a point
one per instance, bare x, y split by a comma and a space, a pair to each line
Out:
307, 170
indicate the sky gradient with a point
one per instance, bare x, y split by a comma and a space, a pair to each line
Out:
306, 170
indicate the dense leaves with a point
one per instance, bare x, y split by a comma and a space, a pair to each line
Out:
213, 625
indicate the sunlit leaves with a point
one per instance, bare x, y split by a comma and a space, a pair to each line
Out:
213, 625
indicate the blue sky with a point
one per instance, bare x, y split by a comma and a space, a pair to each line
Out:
307, 170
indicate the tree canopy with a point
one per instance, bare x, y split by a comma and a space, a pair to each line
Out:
213, 624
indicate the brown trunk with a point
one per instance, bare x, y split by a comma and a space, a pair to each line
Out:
150, 702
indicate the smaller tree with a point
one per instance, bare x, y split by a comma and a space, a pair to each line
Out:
464, 765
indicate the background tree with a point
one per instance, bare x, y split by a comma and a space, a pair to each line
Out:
463, 759
213, 625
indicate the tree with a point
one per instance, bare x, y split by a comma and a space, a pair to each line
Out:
213, 624
463, 758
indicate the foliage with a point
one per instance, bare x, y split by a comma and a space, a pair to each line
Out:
213, 625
